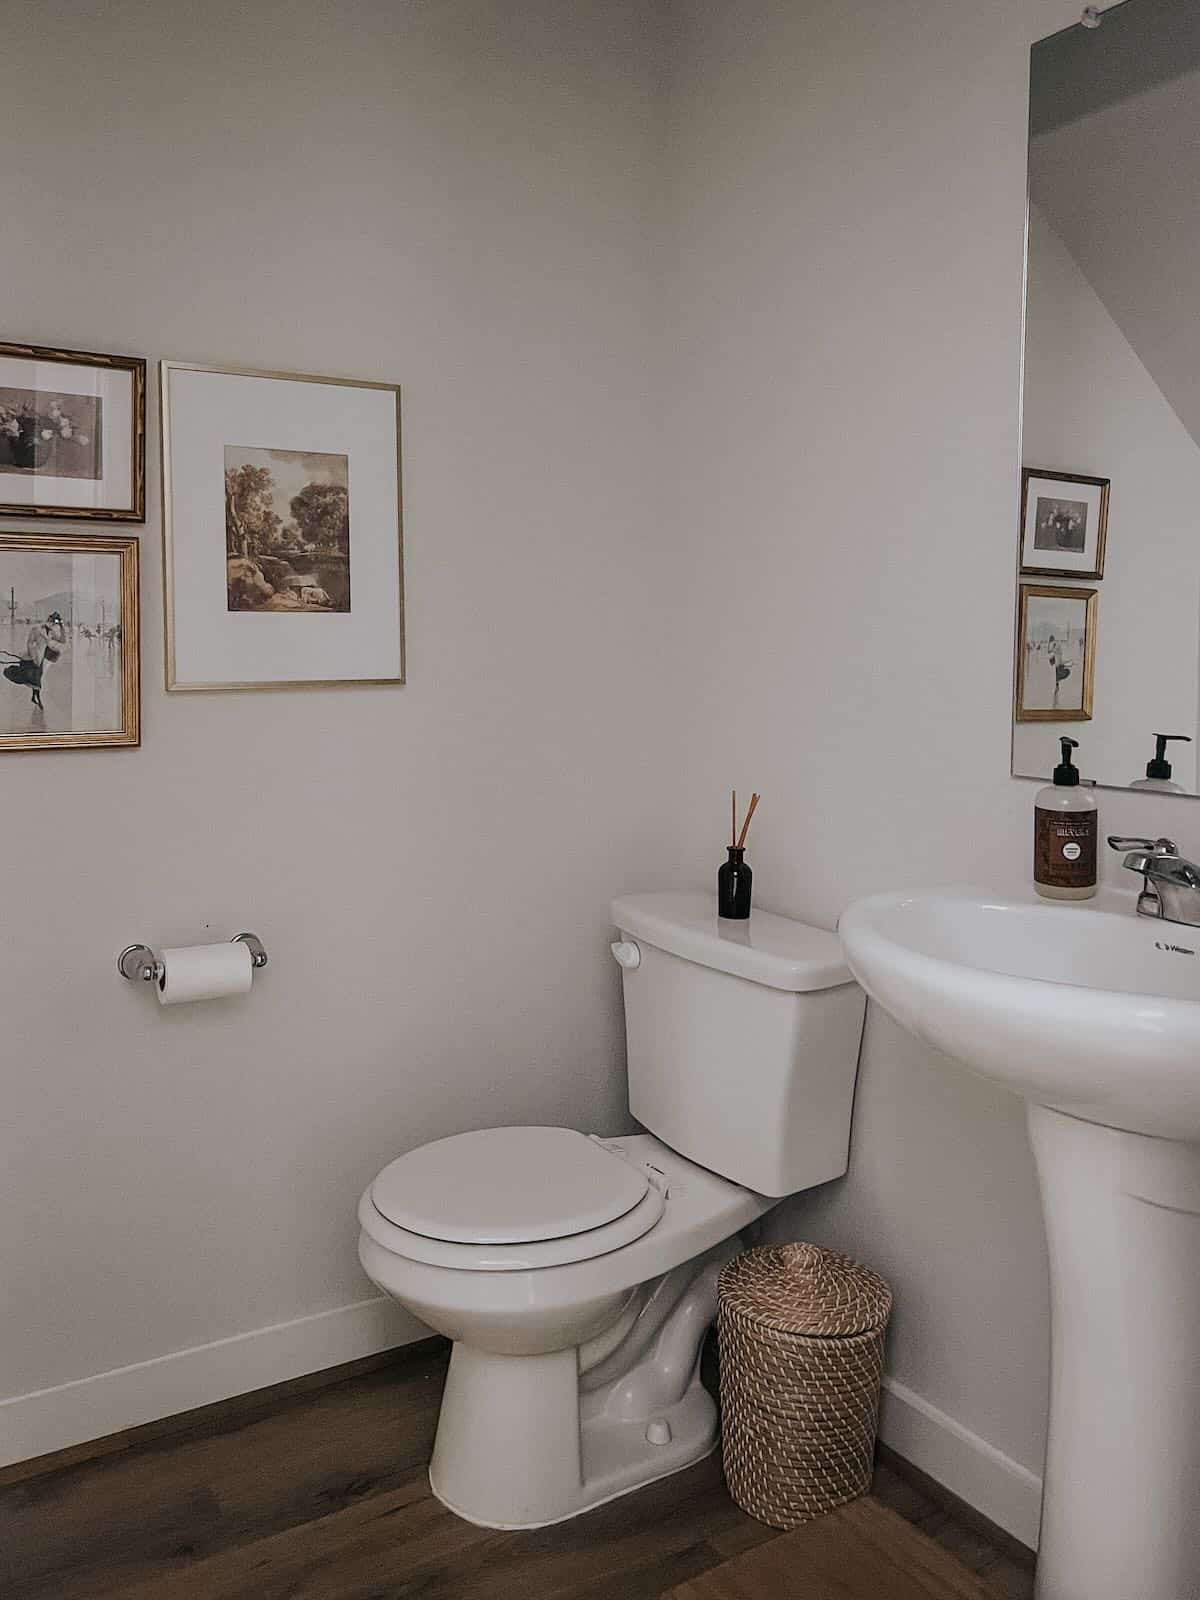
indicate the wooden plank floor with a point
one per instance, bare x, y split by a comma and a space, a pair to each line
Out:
324, 1497
862, 1549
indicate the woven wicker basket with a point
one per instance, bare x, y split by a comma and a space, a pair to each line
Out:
801, 1334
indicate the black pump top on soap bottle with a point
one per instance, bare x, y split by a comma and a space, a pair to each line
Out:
1160, 767
1066, 774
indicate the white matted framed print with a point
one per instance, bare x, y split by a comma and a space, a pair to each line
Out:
72, 434
1064, 524
281, 525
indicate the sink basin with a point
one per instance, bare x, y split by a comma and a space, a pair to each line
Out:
1086, 1008
1092, 1015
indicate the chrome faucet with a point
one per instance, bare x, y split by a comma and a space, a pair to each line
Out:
1170, 884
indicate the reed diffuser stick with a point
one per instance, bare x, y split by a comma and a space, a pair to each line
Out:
733, 820
746, 825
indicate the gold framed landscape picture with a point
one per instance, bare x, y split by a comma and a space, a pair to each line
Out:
69, 663
72, 434
1056, 654
1064, 524
281, 522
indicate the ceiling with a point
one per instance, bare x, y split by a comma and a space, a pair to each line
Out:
1138, 44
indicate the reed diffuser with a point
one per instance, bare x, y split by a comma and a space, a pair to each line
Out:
734, 877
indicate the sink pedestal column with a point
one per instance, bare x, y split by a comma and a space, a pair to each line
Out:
1121, 1501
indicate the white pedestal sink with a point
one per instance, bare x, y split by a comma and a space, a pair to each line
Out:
1092, 1014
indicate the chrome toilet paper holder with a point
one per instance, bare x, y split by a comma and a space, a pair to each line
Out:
139, 961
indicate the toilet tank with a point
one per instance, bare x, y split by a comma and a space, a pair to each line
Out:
742, 1039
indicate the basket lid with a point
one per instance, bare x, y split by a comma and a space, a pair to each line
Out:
804, 1289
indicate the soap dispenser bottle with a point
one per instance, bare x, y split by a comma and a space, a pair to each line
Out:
1066, 823
1158, 771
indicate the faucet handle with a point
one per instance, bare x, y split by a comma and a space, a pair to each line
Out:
1157, 847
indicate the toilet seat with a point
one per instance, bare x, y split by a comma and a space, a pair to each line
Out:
507, 1186
511, 1199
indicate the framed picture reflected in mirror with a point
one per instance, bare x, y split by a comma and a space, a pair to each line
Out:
1056, 654
1064, 524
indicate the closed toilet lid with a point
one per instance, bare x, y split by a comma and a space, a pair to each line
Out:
508, 1186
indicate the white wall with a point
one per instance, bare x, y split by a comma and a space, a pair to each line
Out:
1091, 406
462, 196
851, 189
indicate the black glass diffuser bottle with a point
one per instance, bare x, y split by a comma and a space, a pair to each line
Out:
734, 880
734, 877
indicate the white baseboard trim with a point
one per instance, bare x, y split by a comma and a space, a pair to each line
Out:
997, 1486
108, 1402
89, 1408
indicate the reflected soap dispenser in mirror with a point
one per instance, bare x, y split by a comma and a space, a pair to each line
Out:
1158, 771
1066, 826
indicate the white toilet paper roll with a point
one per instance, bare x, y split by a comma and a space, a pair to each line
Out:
204, 972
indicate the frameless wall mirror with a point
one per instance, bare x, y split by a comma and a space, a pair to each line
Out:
1108, 528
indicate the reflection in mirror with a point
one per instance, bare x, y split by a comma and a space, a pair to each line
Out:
1108, 535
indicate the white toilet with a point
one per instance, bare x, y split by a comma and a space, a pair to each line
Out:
577, 1275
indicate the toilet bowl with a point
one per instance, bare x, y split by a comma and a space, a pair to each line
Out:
577, 1275
575, 1370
